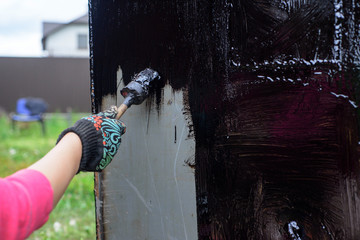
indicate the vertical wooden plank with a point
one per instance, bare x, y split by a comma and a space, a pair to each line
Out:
272, 93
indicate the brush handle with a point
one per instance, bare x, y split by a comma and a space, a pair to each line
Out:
121, 110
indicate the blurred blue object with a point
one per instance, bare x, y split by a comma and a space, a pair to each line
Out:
30, 110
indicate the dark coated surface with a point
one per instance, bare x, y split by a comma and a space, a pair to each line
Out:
272, 91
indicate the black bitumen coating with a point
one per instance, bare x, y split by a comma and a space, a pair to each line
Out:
272, 93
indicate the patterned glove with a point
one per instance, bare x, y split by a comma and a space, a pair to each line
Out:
100, 136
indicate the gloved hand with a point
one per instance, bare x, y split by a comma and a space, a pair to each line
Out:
100, 136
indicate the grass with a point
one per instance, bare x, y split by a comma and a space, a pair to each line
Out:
74, 216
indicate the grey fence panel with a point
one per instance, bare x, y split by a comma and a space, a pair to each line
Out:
62, 82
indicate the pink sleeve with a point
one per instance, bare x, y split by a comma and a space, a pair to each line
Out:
26, 200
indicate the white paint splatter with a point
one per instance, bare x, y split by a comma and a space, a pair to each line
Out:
292, 226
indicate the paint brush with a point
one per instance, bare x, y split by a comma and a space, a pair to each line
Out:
137, 90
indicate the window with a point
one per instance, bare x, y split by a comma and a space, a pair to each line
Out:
82, 41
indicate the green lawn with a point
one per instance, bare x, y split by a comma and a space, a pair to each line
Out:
74, 216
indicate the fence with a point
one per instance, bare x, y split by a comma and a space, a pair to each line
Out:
62, 82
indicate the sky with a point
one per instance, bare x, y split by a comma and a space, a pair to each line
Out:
21, 23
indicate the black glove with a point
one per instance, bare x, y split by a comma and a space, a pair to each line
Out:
100, 136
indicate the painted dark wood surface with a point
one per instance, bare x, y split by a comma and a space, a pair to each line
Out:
273, 93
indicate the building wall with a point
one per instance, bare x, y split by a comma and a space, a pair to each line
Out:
61, 82
64, 42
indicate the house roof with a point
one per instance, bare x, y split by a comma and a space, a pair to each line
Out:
49, 27
82, 19
52, 27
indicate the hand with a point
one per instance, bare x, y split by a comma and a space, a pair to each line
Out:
100, 136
